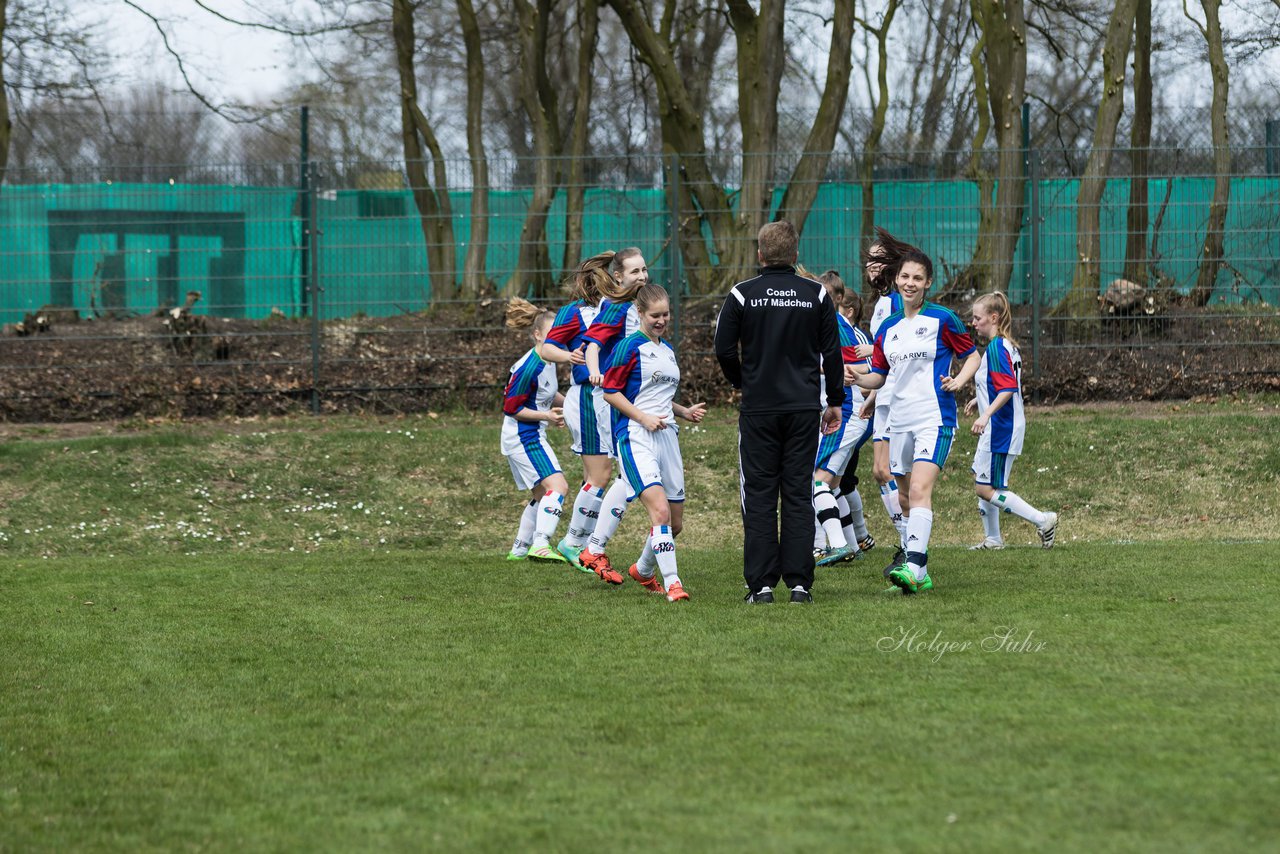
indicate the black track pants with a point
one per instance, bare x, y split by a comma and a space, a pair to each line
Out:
775, 457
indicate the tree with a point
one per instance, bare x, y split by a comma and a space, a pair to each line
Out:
474, 279
701, 198
880, 100
1136, 219
435, 211
1080, 302
1211, 259
999, 63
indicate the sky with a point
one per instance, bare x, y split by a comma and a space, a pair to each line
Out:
224, 61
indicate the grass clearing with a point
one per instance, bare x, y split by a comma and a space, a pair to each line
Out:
420, 693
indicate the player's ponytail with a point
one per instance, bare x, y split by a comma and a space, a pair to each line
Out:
522, 314
889, 252
998, 304
589, 282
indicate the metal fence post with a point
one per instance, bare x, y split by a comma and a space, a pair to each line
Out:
313, 244
674, 286
1035, 274
304, 211
1273, 146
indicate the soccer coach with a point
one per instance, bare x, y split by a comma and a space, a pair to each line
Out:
785, 326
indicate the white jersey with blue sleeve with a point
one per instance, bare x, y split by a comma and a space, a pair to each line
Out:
532, 385
646, 373
1001, 371
917, 353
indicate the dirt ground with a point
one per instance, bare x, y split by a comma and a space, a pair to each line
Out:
135, 367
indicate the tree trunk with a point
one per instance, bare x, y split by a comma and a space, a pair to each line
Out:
6, 127
1137, 219
533, 262
701, 199
1081, 302
474, 278
761, 53
802, 189
575, 188
871, 145
434, 211
1000, 72
1211, 260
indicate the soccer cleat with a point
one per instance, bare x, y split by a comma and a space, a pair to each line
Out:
988, 544
1048, 530
763, 596
517, 555
676, 593
545, 553
800, 596
845, 552
599, 564
571, 554
819, 554
899, 562
652, 584
867, 543
905, 580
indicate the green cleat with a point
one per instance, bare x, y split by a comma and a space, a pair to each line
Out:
905, 580
546, 554
516, 556
571, 554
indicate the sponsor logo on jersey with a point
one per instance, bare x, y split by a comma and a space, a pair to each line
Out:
660, 377
922, 331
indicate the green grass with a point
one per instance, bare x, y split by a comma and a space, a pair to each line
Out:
422, 694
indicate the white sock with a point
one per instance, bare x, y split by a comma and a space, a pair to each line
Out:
586, 510
990, 519
1011, 503
917, 548
647, 564
889, 495
524, 534
824, 503
549, 513
664, 549
819, 535
904, 521
850, 504
612, 507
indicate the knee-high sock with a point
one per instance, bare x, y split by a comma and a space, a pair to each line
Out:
586, 510
990, 519
524, 534
647, 564
549, 512
852, 518
819, 535
919, 528
611, 510
824, 504
1011, 503
664, 549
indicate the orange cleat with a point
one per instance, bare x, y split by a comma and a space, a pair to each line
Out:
675, 593
652, 584
599, 564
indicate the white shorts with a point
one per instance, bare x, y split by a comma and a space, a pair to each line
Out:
920, 444
652, 459
590, 421
533, 463
835, 451
880, 433
992, 469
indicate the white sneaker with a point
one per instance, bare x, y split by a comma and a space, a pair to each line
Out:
988, 544
1048, 530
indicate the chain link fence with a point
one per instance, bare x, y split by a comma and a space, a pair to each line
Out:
324, 282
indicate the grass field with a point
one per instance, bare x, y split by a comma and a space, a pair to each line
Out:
298, 635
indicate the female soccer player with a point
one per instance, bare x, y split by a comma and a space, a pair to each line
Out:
1001, 426
881, 263
916, 348
585, 412
641, 384
836, 449
530, 403
616, 319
